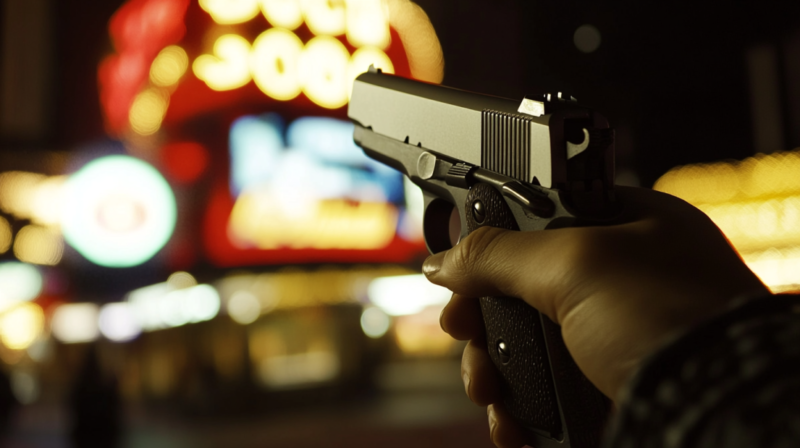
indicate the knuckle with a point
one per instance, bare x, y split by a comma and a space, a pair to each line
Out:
473, 250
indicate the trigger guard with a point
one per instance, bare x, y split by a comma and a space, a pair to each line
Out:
436, 224
436, 220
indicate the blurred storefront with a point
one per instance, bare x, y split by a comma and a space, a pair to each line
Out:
227, 248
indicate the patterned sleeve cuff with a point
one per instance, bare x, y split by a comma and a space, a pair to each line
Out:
733, 376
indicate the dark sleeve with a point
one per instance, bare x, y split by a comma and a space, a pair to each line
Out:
732, 382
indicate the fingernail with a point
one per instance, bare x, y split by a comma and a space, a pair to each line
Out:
433, 264
492, 420
441, 321
465, 379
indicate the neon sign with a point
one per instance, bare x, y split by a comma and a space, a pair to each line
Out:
305, 192
286, 197
137, 82
119, 211
363, 21
281, 64
320, 192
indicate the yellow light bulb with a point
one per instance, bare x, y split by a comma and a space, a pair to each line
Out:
47, 204
148, 110
323, 71
5, 235
325, 17
38, 245
168, 67
228, 68
226, 12
17, 192
21, 325
283, 13
367, 24
274, 63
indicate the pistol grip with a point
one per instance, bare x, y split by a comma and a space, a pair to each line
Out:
543, 388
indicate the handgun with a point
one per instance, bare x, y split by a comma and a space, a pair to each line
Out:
541, 163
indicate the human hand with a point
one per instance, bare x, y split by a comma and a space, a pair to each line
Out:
617, 291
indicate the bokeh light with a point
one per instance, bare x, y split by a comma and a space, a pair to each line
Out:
325, 17
148, 110
181, 280
374, 322
19, 282
163, 305
192, 305
202, 303
38, 245
118, 323
244, 307
17, 192
169, 66
21, 325
74, 323
48, 199
5, 235
229, 67
121, 211
274, 63
367, 24
283, 13
756, 204
32, 196
406, 294
226, 12
323, 71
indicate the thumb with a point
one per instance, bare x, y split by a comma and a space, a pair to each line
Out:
498, 262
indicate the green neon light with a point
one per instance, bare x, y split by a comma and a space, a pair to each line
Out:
119, 211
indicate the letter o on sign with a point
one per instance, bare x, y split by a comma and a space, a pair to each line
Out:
323, 67
274, 63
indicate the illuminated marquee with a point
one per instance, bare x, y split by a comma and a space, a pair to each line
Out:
299, 192
137, 82
282, 66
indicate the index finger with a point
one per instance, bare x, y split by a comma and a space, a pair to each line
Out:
497, 262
